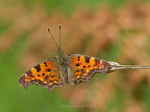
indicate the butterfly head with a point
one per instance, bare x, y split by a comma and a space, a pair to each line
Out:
60, 53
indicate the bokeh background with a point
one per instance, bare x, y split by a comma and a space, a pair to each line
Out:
113, 30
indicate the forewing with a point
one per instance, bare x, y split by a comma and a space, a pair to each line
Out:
83, 67
44, 74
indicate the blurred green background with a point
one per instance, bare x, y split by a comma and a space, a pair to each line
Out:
113, 30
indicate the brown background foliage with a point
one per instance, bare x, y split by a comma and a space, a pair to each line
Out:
120, 35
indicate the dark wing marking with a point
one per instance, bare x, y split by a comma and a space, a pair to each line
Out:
83, 67
44, 74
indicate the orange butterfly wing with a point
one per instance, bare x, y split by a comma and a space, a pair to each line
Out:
44, 74
76, 68
85, 66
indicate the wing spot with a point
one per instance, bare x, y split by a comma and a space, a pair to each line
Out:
96, 63
45, 64
55, 82
38, 74
38, 68
87, 70
43, 74
84, 66
77, 64
87, 59
50, 83
52, 76
48, 70
89, 66
45, 81
85, 74
78, 58
78, 76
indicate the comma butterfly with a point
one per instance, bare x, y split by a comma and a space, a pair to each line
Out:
61, 69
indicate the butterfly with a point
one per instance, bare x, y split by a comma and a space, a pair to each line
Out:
57, 71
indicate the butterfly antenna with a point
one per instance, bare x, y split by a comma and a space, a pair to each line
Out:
53, 38
60, 36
